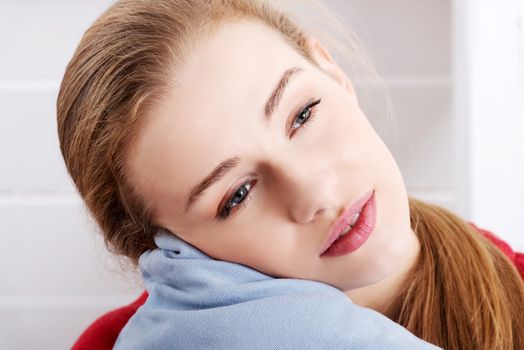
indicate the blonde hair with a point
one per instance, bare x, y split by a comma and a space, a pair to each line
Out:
118, 72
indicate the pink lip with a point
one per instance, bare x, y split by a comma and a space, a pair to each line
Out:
344, 219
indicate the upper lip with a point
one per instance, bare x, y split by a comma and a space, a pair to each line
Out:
344, 219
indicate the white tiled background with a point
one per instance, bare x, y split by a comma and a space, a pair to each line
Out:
55, 276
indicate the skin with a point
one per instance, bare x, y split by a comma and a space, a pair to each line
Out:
301, 183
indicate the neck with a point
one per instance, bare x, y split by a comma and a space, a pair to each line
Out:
383, 296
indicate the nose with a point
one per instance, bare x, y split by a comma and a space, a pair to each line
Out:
306, 189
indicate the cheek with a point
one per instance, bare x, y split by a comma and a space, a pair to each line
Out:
352, 138
346, 122
266, 247
237, 242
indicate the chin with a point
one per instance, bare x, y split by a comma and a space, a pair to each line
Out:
383, 261
379, 274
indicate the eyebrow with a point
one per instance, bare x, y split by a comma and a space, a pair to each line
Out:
227, 165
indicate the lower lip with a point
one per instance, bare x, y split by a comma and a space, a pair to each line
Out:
358, 235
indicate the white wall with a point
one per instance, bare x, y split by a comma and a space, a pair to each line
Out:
55, 276
489, 56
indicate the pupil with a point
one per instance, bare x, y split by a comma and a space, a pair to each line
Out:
303, 115
240, 193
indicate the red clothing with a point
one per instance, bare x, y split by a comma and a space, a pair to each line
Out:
103, 332
516, 257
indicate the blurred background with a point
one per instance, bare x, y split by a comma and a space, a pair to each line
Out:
455, 72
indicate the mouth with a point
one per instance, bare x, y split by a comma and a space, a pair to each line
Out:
352, 228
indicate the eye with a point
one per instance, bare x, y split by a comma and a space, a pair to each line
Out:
304, 117
238, 200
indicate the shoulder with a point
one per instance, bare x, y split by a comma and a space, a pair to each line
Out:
516, 257
104, 331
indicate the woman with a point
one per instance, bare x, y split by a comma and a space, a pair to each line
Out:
226, 125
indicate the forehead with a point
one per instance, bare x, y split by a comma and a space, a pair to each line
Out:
220, 93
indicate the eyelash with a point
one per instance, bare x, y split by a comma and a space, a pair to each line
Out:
225, 212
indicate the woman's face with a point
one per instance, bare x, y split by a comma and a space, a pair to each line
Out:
289, 186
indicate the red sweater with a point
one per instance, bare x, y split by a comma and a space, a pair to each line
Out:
516, 257
103, 332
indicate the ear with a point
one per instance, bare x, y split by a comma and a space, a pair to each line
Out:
323, 58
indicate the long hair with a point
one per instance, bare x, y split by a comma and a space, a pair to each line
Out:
464, 293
